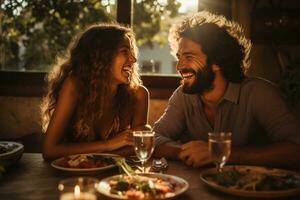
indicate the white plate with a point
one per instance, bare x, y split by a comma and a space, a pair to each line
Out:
104, 187
252, 193
84, 170
13, 155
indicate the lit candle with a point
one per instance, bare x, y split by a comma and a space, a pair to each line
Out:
77, 191
83, 196
77, 195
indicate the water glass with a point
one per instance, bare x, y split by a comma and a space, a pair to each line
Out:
219, 144
143, 145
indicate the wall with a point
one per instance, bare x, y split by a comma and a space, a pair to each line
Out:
20, 116
20, 120
264, 57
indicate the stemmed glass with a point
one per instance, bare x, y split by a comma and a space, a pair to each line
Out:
143, 145
219, 144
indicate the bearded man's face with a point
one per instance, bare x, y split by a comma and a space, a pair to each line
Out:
197, 76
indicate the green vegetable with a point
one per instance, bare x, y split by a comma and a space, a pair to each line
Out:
145, 187
121, 163
254, 181
277, 183
122, 185
226, 178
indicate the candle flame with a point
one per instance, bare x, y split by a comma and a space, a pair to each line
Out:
77, 191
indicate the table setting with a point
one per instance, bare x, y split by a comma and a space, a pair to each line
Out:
136, 180
140, 176
246, 181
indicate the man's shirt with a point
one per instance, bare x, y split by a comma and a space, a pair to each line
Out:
253, 110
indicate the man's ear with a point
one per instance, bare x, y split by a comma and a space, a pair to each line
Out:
216, 68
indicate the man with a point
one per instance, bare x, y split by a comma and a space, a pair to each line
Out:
215, 95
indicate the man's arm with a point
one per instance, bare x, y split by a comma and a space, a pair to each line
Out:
275, 117
169, 127
282, 154
168, 150
272, 113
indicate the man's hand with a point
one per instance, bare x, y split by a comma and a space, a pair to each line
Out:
195, 153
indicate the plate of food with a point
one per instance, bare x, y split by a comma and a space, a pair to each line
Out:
253, 181
85, 163
142, 186
10, 152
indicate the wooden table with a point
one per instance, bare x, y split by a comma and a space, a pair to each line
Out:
33, 179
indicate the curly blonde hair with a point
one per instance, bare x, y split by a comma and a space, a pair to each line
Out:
89, 59
222, 40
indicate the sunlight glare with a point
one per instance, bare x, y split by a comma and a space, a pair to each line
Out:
188, 6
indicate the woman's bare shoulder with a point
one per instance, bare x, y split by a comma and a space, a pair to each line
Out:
142, 93
70, 86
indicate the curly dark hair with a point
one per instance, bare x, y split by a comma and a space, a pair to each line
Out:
223, 42
89, 59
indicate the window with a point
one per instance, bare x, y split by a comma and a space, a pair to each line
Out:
150, 66
34, 32
151, 23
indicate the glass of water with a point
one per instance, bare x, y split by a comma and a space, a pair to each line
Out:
219, 144
143, 145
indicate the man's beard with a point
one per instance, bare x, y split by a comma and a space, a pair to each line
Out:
203, 81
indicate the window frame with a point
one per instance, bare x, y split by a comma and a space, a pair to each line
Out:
33, 84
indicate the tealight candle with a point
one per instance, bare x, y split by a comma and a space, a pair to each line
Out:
82, 196
84, 188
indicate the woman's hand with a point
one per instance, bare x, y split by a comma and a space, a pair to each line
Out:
124, 138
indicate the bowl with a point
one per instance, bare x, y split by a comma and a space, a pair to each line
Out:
10, 152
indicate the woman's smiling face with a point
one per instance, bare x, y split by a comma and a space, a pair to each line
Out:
123, 62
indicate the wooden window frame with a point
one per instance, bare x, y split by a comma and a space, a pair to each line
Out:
33, 84
17, 83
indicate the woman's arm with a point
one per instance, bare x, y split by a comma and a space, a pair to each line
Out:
139, 121
141, 109
65, 108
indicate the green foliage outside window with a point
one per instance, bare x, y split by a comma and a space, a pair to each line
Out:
43, 28
152, 20
34, 32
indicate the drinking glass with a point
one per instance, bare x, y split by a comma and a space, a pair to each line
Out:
83, 188
219, 144
143, 145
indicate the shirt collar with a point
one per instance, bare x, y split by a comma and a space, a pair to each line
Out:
232, 92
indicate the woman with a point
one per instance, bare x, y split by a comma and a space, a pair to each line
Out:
95, 97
